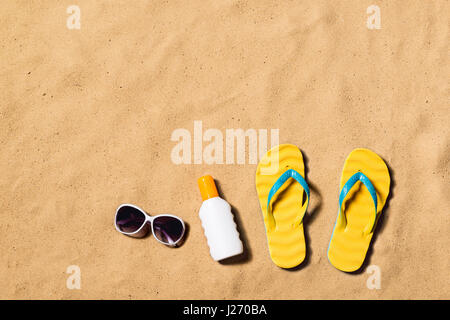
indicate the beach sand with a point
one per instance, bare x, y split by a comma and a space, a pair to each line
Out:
87, 117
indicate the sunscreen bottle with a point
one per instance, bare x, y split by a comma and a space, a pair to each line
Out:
217, 222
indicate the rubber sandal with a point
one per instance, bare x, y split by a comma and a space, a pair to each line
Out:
364, 188
280, 185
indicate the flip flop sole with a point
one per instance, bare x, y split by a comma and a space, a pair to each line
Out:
285, 239
349, 243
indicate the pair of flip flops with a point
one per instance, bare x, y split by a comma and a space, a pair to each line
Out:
284, 196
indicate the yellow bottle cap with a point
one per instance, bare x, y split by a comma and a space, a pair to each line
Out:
207, 187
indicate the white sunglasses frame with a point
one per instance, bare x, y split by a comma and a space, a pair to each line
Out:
148, 220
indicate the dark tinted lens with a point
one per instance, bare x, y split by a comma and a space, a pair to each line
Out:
168, 229
129, 219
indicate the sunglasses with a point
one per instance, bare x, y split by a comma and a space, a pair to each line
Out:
134, 222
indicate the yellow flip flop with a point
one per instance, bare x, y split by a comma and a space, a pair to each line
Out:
280, 184
364, 188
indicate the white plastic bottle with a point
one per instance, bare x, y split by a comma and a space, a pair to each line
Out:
217, 222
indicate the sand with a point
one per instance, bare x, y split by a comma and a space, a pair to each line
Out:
87, 117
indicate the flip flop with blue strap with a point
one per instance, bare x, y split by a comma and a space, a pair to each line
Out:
281, 189
364, 189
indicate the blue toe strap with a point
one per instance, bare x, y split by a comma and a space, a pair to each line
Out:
359, 176
291, 173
